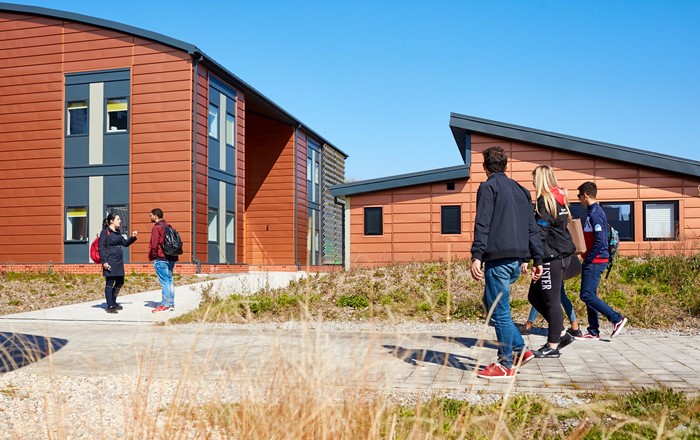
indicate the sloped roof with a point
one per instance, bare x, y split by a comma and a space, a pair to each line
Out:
463, 125
401, 180
255, 101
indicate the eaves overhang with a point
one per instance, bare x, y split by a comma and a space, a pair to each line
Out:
463, 125
400, 181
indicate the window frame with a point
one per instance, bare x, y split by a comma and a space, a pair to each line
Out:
217, 120
87, 121
676, 222
216, 225
87, 225
232, 216
370, 209
107, 131
445, 210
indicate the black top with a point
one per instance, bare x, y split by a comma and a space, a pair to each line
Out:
556, 238
111, 243
505, 226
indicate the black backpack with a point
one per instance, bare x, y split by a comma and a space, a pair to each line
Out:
172, 243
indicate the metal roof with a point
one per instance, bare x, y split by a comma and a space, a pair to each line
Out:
401, 180
259, 104
463, 125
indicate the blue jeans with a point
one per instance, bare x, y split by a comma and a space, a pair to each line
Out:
590, 278
565, 302
498, 276
164, 270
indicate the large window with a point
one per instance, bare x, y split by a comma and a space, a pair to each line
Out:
451, 220
313, 242
313, 172
76, 224
230, 129
213, 229
77, 118
213, 121
373, 221
620, 215
230, 227
117, 114
661, 220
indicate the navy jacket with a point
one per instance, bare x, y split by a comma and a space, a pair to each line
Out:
595, 232
111, 251
505, 225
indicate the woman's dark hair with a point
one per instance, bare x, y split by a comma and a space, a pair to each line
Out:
109, 219
495, 159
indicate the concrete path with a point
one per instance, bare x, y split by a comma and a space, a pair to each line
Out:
83, 340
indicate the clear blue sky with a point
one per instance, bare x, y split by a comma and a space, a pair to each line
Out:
379, 78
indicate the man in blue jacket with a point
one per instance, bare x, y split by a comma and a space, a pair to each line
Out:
595, 260
506, 237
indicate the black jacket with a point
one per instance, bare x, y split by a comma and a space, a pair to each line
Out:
556, 238
505, 226
111, 251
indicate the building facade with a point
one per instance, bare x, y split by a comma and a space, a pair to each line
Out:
102, 117
651, 199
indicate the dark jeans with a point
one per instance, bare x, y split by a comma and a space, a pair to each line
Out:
498, 276
545, 296
590, 278
112, 287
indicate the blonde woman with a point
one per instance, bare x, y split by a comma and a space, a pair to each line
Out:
552, 214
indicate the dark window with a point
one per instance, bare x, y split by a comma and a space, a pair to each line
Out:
620, 215
660, 220
77, 118
451, 220
373, 221
450, 186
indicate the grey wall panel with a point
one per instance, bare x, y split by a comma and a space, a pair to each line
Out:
231, 253
213, 193
116, 149
98, 76
116, 190
76, 191
214, 152
76, 153
213, 253
117, 89
80, 92
77, 252
230, 198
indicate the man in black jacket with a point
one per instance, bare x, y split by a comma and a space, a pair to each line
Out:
506, 237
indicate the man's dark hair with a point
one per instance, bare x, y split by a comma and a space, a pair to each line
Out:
157, 212
495, 159
588, 188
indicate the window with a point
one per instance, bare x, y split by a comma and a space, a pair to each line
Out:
450, 186
77, 118
213, 229
313, 238
313, 174
230, 227
76, 224
213, 121
373, 221
660, 221
117, 114
451, 220
620, 215
230, 129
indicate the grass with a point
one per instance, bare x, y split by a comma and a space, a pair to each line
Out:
27, 291
653, 292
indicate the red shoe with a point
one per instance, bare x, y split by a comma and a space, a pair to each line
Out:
159, 309
522, 358
496, 371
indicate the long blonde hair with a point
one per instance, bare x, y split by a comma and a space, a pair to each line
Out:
544, 179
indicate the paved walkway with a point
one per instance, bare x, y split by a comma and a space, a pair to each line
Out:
83, 340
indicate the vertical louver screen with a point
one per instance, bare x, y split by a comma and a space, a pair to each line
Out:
333, 173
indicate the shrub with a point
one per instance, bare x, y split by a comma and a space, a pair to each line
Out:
353, 301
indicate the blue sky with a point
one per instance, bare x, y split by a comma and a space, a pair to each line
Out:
379, 78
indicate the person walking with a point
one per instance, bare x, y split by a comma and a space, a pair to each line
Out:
162, 263
595, 260
552, 215
111, 242
574, 330
504, 243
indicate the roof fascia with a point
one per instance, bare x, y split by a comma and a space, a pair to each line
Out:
401, 180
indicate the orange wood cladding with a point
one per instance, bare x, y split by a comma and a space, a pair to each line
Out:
269, 192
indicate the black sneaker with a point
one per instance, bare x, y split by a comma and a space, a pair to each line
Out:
112, 310
546, 352
522, 329
575, 333
118, 306
565, 340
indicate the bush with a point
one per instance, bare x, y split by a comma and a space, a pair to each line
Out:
353, 301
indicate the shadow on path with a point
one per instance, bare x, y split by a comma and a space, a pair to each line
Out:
470, 342
417, 356
20, 349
